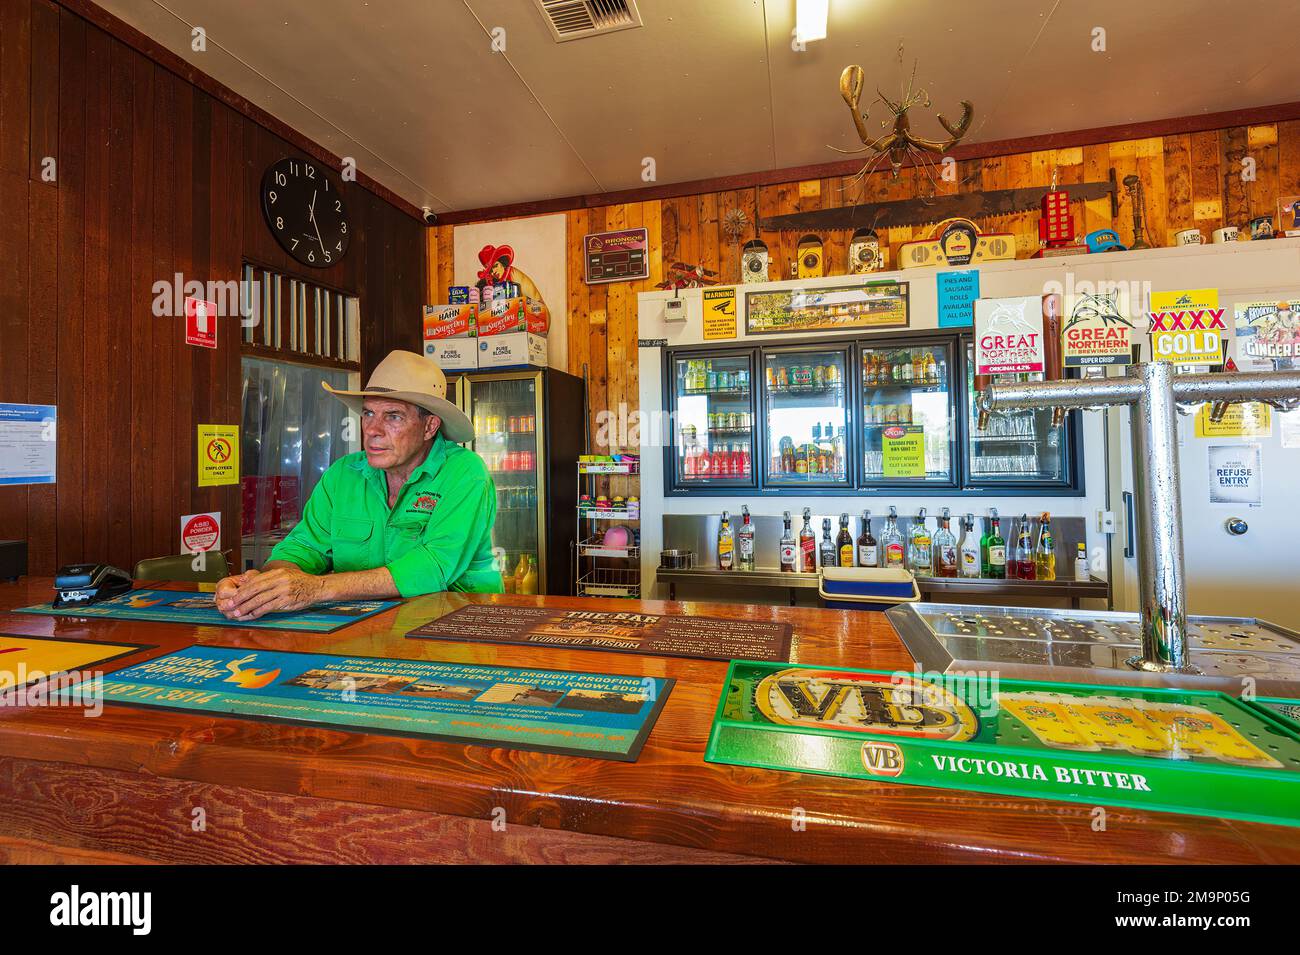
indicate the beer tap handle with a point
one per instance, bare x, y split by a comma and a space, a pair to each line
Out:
983, 399
1052, 368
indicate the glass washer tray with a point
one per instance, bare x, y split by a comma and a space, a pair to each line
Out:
1086, 646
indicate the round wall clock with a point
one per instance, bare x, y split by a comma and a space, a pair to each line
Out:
305, 211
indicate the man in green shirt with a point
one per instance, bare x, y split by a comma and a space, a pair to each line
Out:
411, 514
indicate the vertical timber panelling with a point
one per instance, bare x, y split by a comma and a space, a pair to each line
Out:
115, 174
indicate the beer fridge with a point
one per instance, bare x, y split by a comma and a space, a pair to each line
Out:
528, 428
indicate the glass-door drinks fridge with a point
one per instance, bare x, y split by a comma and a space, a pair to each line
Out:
909, 419
527, 426
1018, 447
887, 412
713, 413
806, 416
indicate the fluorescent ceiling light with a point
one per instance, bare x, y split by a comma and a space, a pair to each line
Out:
810, 19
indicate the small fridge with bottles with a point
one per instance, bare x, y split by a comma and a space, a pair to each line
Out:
528, 425
713, 409
908, 404
1019, 450
806, 416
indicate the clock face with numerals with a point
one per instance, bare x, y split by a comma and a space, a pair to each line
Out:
305, 211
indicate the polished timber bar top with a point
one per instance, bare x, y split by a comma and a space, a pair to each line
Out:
124, 786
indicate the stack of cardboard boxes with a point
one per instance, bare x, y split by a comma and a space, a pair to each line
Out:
508, 333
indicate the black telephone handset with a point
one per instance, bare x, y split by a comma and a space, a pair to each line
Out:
80, 585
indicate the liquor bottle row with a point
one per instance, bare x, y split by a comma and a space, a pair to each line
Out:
941, 554
520, 577
723, 460
824, 454
915, 368
485, 424
803, 377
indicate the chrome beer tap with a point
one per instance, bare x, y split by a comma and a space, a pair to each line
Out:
1153, 392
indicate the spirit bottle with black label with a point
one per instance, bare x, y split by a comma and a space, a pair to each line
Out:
827, 548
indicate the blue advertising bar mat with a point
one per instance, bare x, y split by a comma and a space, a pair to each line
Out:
184, 606
599, 715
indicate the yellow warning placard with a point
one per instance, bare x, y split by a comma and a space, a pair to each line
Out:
719, 313
1250, 419
218, 449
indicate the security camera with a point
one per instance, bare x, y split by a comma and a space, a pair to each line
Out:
430, 217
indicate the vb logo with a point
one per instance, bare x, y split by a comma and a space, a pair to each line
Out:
882, 759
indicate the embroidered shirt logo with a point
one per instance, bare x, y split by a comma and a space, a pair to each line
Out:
425, 503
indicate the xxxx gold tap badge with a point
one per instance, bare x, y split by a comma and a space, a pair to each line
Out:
865, 702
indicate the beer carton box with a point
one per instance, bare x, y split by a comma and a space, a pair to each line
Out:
517, 349
450, 321
507, 316
453, 354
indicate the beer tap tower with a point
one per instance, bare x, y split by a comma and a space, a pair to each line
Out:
1153, 392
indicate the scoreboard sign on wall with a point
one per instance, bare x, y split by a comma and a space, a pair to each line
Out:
620, 256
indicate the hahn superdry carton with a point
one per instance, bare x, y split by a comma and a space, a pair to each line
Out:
511, 315
450, 321
1170, 750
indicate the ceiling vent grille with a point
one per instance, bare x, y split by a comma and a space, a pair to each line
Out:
575, 19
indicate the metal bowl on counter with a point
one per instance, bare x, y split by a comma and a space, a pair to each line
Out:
677, 559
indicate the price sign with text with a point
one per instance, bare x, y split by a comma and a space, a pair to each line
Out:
903, 448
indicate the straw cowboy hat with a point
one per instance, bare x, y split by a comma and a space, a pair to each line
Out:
406, 376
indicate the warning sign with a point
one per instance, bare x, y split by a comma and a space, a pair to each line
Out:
200, 532
218, 446
719, 313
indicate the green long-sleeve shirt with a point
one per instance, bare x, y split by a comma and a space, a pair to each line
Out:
438, 537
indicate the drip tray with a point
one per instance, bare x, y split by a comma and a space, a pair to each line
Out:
1083, 646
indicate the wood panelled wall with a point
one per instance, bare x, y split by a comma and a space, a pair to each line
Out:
153, 177
1189, 180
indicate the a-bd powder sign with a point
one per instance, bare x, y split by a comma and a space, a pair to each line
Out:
200, 532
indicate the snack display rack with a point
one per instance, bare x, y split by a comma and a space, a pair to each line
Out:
605, 564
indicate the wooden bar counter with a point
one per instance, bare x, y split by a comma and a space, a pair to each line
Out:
126, 786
